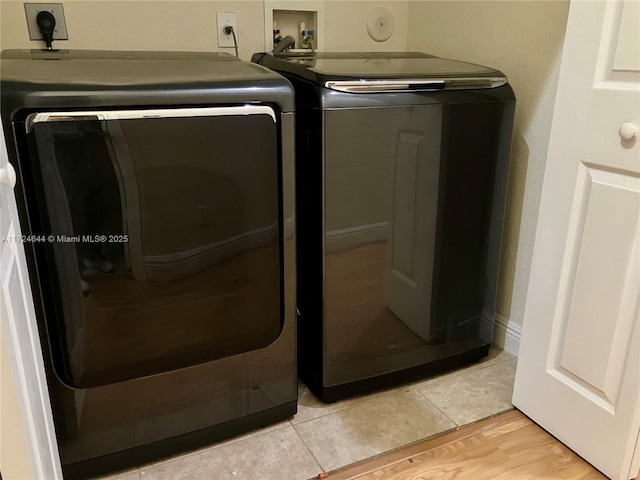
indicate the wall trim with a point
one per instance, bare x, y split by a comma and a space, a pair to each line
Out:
504, 333
507, 335
177, 265
347, 238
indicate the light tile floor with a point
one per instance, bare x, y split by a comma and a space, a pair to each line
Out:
325, 437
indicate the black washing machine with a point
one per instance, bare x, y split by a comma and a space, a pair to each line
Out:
157, 191
402, 162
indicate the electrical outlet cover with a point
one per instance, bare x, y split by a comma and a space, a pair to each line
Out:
32, 10
223, 20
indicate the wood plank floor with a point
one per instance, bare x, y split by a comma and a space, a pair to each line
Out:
506, 447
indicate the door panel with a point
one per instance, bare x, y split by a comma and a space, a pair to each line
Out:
162, 237
601, 260
579, 366
413, 228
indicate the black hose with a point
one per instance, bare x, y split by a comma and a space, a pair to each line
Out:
285, 43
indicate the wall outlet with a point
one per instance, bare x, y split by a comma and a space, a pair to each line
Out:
32, 10
225, 19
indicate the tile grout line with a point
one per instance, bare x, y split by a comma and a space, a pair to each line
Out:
382, 394
440, 410
453, 426
308, 449
457, 378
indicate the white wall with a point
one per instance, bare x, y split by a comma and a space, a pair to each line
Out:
191, 25
346, 26
141, 25
523, 39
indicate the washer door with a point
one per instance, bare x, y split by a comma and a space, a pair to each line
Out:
159, 241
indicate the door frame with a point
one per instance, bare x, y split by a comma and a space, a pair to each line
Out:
24, 351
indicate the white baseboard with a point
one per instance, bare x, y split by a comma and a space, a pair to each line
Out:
177, 265
501, 332
506, 335
338, 240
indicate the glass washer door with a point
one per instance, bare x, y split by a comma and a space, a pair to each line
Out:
160, 240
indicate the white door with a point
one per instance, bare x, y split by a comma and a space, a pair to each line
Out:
412, 236
20, 335
579, 365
